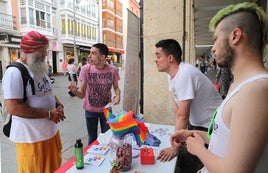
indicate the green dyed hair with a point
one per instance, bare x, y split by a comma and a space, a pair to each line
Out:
243, 7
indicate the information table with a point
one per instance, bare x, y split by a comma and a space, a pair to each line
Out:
162, 132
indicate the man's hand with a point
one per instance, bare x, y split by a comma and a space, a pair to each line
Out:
116, 100
195, 143
180, 136
72, 87
57, 115
168, 154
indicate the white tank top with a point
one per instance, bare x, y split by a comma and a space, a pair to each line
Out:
221, 133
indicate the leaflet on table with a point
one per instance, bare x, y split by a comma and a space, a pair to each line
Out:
93, 159
98, 149
96, 154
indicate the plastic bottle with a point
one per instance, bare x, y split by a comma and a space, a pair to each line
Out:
79, 156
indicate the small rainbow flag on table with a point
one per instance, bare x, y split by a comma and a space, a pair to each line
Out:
126, 122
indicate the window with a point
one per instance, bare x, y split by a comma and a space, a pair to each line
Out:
110, 3
31, 3
104, 22
39, 5
89, 32
104, 38
40, 19
48, 21
94, 33
22, 2
78, 30
62, 2
119, 42
94, 10
23, 16
110, 23
74, 27
63, 27
31, 16
70, 27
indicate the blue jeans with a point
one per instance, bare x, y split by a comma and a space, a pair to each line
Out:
92, 124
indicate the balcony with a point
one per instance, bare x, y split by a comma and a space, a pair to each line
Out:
8, 22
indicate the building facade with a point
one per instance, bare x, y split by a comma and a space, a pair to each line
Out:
112, 29
161, 21
9, 33
72, 26
79, 27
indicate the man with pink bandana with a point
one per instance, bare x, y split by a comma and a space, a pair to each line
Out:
34, 121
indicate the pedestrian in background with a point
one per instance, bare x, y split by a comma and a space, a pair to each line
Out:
214, 64
97, 80
202, 65
194, 100
49, 69
49, 72
64, 67
72, 74
81, 64
224, 78
238, 133
34, 126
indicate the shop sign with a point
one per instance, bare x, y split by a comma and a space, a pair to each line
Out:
115, 50
3, 38
10, 38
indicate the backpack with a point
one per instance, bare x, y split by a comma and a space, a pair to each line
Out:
26, 78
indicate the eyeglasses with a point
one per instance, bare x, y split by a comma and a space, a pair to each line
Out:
211, 123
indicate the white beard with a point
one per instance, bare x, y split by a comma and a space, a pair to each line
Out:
36, 64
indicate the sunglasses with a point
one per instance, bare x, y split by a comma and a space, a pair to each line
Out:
211, 123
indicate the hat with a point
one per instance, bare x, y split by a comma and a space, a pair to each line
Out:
33, 41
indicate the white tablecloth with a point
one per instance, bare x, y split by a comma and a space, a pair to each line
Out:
162, 132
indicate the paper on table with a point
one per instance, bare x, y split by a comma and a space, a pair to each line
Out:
93, 159
98, 149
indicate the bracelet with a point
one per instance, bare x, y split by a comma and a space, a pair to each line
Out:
49, 115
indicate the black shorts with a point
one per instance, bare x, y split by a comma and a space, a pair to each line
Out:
186, 162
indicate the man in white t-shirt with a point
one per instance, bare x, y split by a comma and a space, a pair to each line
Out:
34, 121
194, 96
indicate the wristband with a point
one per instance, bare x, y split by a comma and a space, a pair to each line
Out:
49, 115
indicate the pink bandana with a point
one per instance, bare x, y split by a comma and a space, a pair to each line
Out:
33, 41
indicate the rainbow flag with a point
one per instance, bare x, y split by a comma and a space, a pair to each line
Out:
126, 122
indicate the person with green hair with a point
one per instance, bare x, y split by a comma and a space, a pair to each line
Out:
238, 131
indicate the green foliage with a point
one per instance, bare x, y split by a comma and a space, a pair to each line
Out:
80, 56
